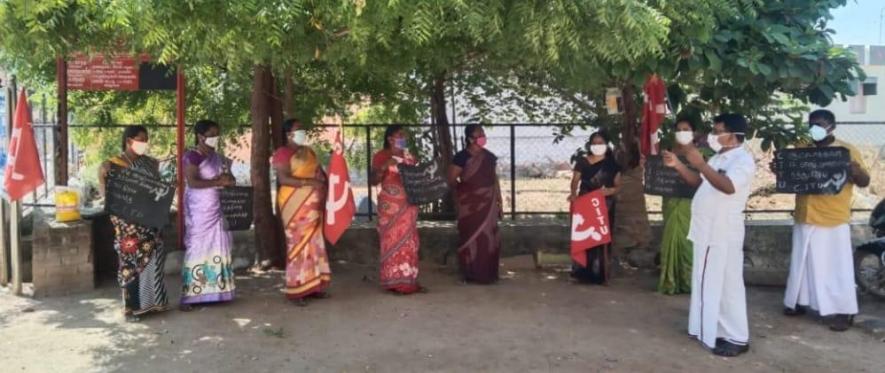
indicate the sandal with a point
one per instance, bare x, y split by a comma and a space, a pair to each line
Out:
841, 323
798, 311
300, 302
728, 349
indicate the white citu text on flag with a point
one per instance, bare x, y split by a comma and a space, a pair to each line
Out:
340, 207
23, 172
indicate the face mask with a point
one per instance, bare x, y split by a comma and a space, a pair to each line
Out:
713, 141
212, 142
481, 141
139, 147
299, 137
399, 143
598, 150
818, 133
684, 137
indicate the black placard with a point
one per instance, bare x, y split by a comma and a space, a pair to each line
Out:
812, 170
661, 180
423, 183
138, 197
236, 204
156, 77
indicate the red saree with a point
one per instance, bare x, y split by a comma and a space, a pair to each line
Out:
478, 212
397, 228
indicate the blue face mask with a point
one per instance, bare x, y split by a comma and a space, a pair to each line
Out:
400, 143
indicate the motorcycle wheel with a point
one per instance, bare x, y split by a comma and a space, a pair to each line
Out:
869, 271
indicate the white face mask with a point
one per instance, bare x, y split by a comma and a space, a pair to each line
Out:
818, 133
139, 147
299, 137
713, 141
212, 142
684, 137
598, 150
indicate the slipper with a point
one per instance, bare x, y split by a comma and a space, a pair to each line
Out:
728, 349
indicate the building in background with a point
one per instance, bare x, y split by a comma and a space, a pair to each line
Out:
868, 105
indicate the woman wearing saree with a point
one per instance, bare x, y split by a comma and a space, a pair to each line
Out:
478, 194
596, 170
301, 200
676, 249
140, 252
397, 219
207, 275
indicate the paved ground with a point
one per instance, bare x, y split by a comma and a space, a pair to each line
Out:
531, 321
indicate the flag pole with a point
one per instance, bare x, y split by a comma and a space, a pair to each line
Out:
4, 206
14, 233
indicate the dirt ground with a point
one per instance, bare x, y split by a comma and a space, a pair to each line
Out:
531, 321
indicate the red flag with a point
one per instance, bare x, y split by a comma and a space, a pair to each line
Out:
23, 172
653, 111
340, 207
590, 225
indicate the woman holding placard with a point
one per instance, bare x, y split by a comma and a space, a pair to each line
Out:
207, 274
397, 219
478, 194
596, 170
139, 248
301, 200
676, 249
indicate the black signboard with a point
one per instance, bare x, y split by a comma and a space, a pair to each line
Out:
423, 183
156, 77
138, 196
236, 204
812, 170
661, 180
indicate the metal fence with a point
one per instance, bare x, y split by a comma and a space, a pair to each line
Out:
533, 162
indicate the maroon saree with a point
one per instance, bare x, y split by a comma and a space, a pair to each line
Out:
478, 212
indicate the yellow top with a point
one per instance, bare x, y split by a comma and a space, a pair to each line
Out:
829, 210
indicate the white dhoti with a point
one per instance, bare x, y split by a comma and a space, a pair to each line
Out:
718, 297
822, 270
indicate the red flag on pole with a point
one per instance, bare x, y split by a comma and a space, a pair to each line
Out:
653, 111
23, 172
340, 207
590, 225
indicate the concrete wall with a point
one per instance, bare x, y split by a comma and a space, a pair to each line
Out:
766, 261
767, 246
62, 258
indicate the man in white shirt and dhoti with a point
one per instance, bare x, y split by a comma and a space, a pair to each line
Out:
822, 265
718, 313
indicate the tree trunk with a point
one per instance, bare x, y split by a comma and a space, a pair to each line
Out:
443, 133
630, 140
275, 103
632, 231
289, 95
266, 242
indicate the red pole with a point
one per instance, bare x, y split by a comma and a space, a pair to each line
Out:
179, 153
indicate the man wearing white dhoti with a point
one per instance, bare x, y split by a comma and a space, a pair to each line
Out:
821, 265
718, 313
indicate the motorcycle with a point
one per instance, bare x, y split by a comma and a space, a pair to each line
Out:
869, 258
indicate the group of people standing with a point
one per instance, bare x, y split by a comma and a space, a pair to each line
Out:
701, 250
703, 240
207, 273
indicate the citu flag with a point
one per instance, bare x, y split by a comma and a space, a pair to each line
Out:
340, 207
23, 172
653, 111
589, 225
